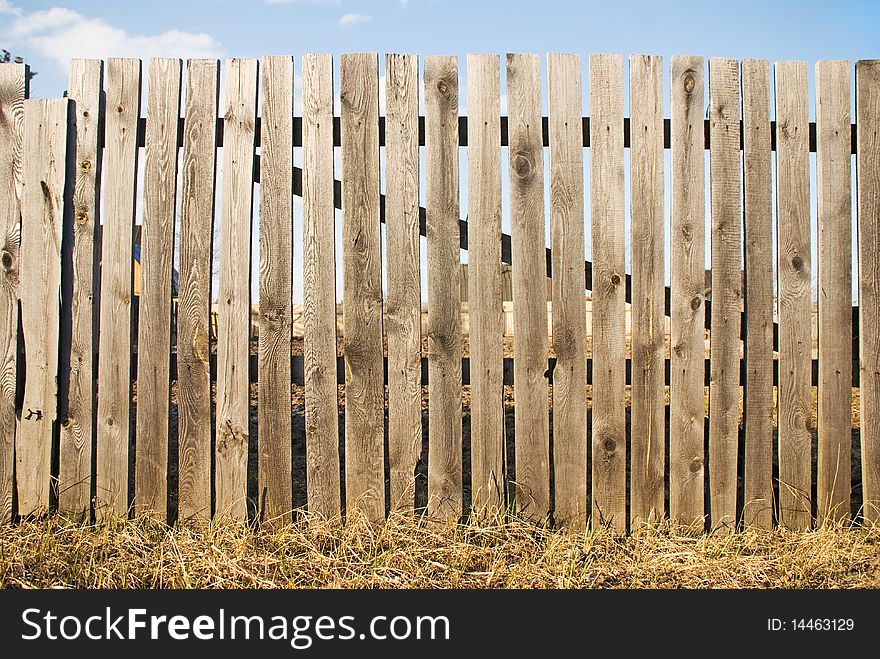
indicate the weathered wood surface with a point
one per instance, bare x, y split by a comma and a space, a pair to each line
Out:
156, 267
403, 313
444, 307
234, 299
275, 491
319, 288
194, 301
42, 232
362, 295
118, 215
687, 350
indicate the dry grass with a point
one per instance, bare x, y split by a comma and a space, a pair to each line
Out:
54, 552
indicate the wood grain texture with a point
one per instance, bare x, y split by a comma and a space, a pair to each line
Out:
686, 393
194, 301
530, 298
724, 392
569, 389
609, 272
275, 438
484, 285
647, 420
157, 264
77, 434
234, 300
42, 219
793, 289
444, 305
758, 407
833, 120
868, 159
13, 87
319, 289
114, 371
362, 297
403, 312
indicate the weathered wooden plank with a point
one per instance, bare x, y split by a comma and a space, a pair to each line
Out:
403, 315
77, 432
42, 218
13, 90
868, 163
569, 308
758, 406
484, 285
529, 296
234, 316
444, 306
647, 420
833, 151
319, 289
157, 263
114, 382
362, 297
724, 392
687, 353
275, 437
194, 301
793, 289
609, 270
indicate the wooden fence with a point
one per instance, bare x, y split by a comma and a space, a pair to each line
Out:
97, 427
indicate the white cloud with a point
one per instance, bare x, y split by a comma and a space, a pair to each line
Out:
7, 7
404, 4
353, 19
61, 34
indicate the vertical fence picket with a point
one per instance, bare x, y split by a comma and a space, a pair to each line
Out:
569, 392
234, 299
648, 417
609, 288
319, 289
529, 297
484, 285
687, 342
795, 305
157, 263
404, 303
362, 296
13, 91
868, 147
114, 369
444, 305
275, 491
758, 396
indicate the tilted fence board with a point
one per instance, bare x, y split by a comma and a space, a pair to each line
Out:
793, 291
118, 216
234, 297
444, 305
647, 419
275, 437
403, 313
13, 88
362, 295
835, 289
687, 350
194, 301
758, 504
156, 266
484, 286
530, 300
319, 289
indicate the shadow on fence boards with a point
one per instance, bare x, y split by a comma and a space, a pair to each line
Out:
112, 404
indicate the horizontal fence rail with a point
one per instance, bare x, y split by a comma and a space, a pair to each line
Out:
121, 395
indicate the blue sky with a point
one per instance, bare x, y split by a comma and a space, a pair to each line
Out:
48, 34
